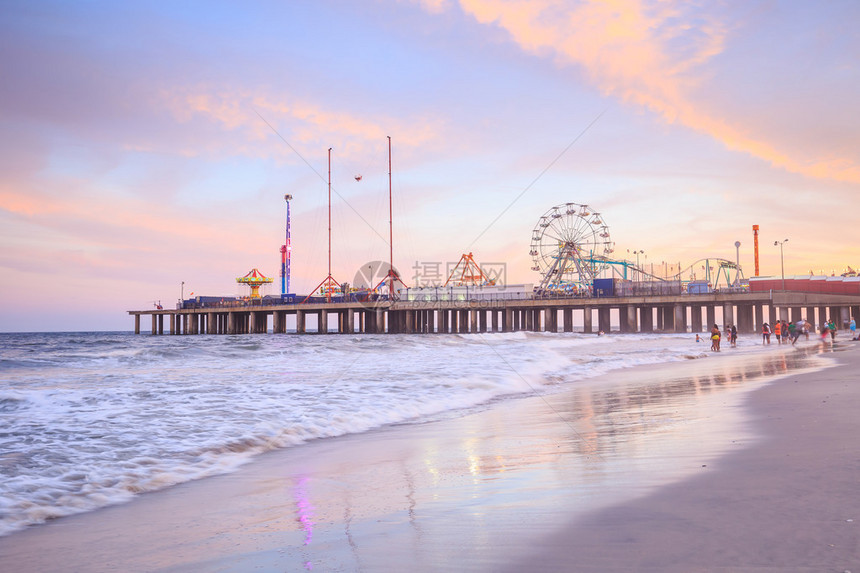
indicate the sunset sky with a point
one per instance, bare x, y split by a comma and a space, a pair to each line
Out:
148, 144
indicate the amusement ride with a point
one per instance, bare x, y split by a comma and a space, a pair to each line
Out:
254, 279
571, 248
467, 272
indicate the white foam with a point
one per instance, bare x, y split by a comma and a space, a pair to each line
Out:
93, 424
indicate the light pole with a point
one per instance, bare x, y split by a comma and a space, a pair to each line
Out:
182, 294
781, 259
638, 272
737, 263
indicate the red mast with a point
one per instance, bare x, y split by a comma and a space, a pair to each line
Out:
755, 241
328, 284
392, 275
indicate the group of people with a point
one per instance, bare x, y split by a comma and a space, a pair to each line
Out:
790, 331
783, 330
716, 336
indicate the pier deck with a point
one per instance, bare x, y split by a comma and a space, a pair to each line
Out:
672, 313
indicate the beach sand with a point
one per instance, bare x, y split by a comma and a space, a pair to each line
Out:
790, 503
737, 462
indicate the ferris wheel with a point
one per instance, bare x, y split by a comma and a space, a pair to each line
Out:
569, 247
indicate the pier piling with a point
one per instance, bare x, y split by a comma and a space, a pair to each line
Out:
679, 313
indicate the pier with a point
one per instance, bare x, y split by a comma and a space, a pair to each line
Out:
693, 313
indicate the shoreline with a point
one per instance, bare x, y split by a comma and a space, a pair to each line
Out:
472, 493
786, 503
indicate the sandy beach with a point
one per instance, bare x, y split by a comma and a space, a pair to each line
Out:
789, 503
737, 462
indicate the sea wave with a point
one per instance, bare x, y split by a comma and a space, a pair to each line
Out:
92, 420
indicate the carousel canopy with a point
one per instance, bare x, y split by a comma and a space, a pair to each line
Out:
254, 277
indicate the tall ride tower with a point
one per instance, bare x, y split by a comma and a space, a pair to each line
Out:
286, 251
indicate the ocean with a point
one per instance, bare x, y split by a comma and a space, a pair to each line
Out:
94, 419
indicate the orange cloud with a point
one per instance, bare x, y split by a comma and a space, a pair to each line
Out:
26, 205
435, 6
644, 53
110, 221
297, 121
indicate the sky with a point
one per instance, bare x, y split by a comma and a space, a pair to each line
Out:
146, 147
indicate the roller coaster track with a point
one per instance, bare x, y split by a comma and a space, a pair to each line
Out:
711, 270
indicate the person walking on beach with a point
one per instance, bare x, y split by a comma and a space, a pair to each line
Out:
853, 326
785, 332
715, 338
831, 326
794, 331
765, 333
734, 335
776, 332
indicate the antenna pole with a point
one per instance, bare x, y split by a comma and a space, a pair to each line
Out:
329, 211
390, 230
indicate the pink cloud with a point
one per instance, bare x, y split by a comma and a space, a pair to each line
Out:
648, 54
299, 122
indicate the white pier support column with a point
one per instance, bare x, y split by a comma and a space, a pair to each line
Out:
680, 318
632, 322
728, 314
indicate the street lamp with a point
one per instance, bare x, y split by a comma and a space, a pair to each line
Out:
781, 259
638, 271
737, 263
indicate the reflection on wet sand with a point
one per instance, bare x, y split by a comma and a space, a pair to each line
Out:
304, 513
452, 490
607, 418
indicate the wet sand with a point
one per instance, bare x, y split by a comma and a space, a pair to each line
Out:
790, 503
700, 465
